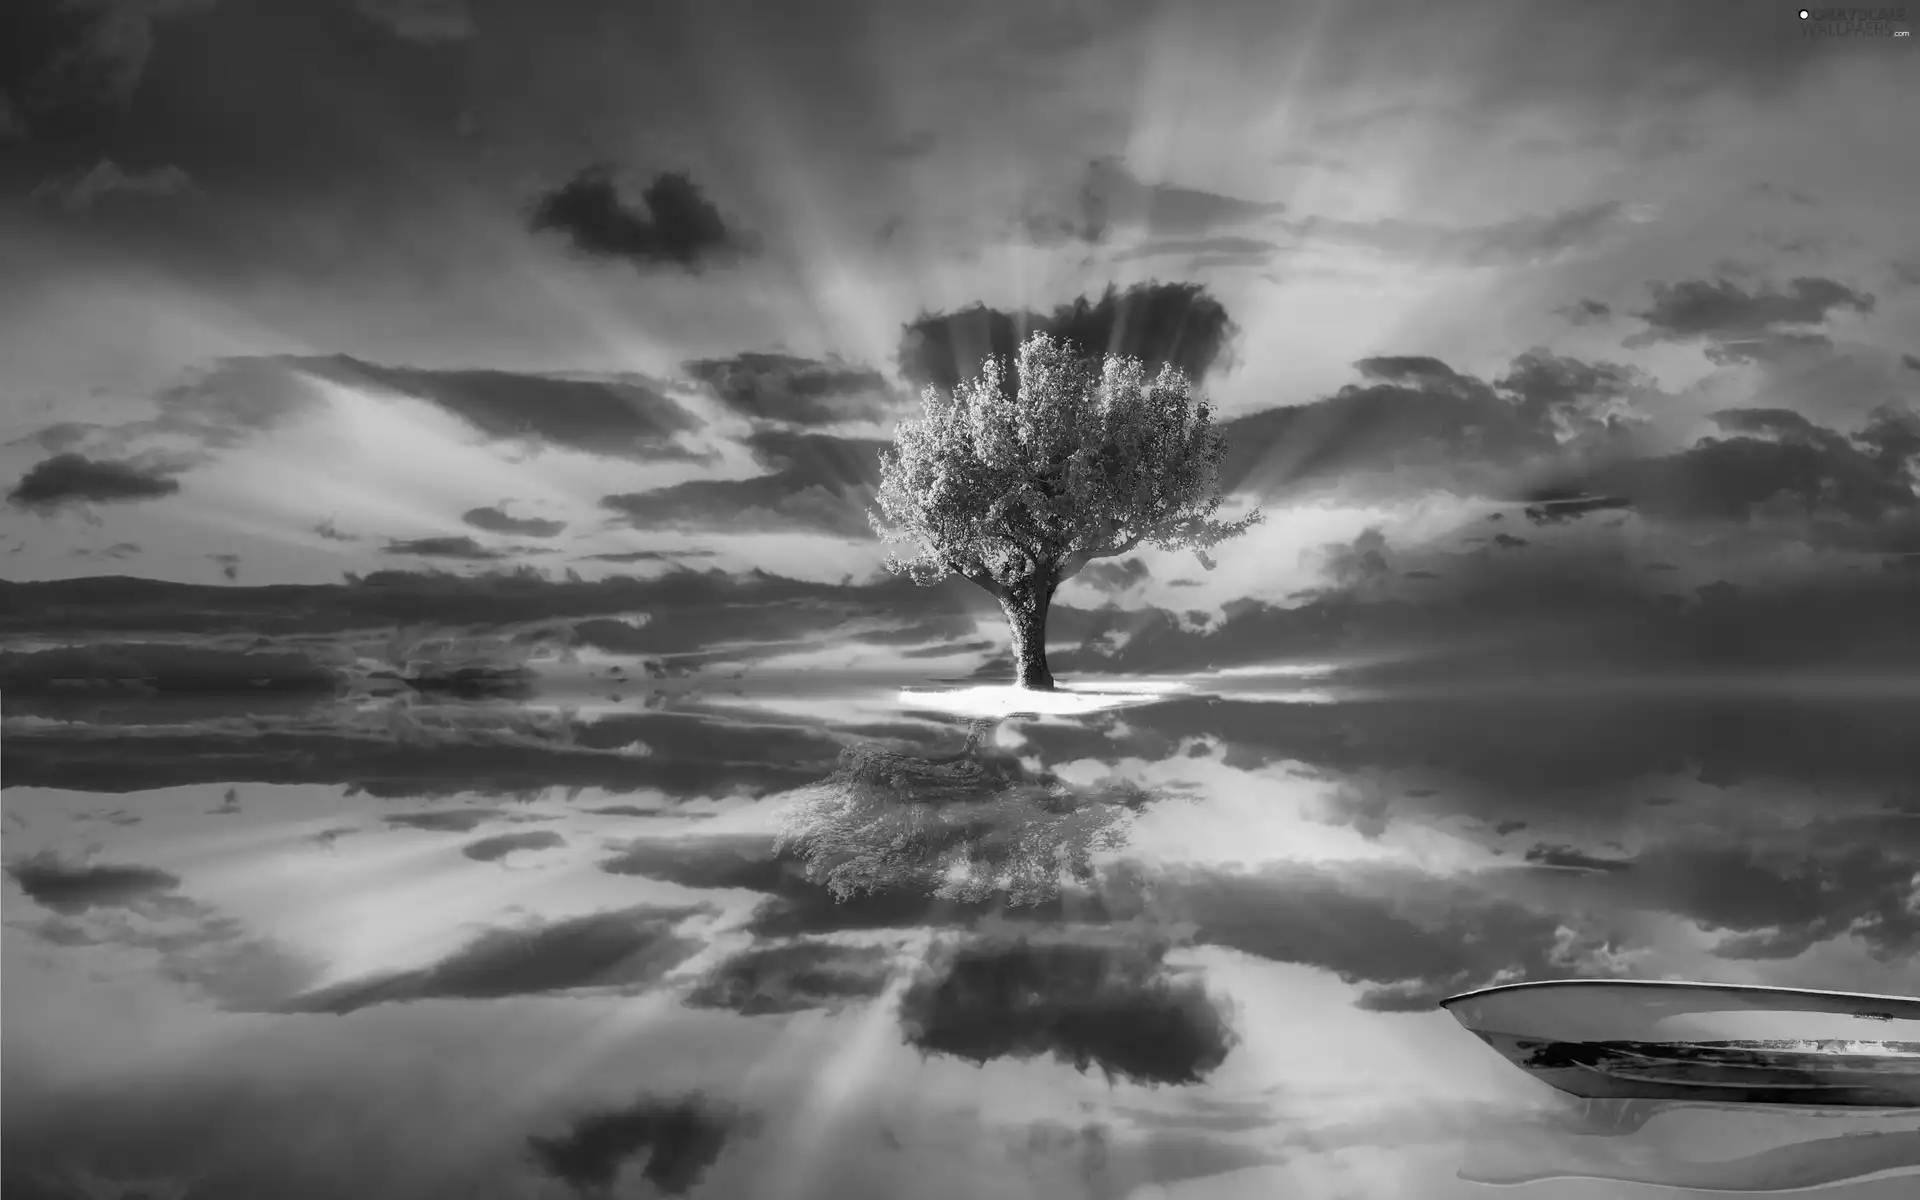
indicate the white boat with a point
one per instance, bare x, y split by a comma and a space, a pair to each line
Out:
1650, 1039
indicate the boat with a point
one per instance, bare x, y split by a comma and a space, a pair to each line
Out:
1734, 1043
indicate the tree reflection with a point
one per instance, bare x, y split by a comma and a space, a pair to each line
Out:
965, 827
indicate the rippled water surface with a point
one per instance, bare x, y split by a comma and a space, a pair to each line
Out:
834, 939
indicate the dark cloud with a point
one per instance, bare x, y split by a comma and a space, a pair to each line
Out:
1222, 250
492, 849
681, 1137
168, 668
1772, 893
1557, 512
1105, 1002
620, 417
462, 547
1358, 564
1417, 425
229, 565
69, 479
1413, 938
493, 519
116, 550
702, 607
1563, 433
1560, 747
801, 975
705, 861
1159, 323
1855, 882
331, 532
1854, 489
445, 820
630, 948
1571, 857
239, 398
1738, 324
818, 484
637, 556
1416, 368
1108, 576
890, 612
634, 810
1910, 361
1109, 196
674, 223
75, 888
1496, 615
236, 739
800, 391
1585, 312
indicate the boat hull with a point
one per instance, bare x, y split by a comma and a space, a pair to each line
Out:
1656, 1040
1863, 1075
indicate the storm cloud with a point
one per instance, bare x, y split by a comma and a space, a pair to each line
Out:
620, 417
73, 479
494, 519
1416, 425
818, 483
72, 888
681, 1138
673, 224
462, 547
793, 977
1737, 324
795, 390
1180, 324
1112, 1005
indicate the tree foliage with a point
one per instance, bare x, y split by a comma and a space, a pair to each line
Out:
1017, 486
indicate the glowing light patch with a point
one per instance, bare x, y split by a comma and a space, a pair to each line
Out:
1006, 700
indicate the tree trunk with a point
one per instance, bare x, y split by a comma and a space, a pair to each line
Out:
1027, 618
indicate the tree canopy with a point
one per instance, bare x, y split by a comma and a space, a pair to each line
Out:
1017, 486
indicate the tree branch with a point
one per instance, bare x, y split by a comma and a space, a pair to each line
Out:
1076, 563
980, 579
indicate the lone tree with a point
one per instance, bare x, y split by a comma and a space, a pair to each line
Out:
1016, 479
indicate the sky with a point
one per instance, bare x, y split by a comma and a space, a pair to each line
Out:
1571, 350
307, 287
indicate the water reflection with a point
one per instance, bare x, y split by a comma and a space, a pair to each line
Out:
830, 943
1610, 1140
962, 827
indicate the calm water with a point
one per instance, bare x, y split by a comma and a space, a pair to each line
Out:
833, 940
